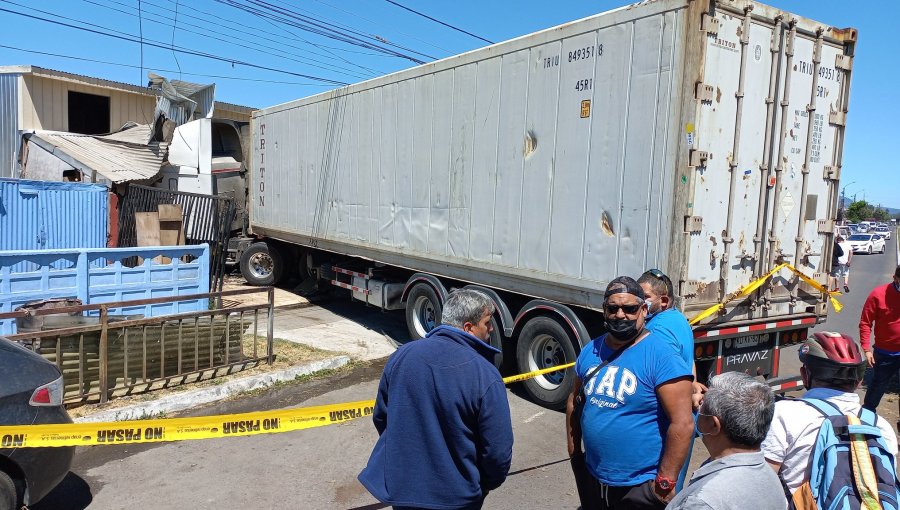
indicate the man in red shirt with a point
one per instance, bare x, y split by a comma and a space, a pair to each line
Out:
883, 309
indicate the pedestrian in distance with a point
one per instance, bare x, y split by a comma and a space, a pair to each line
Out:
669, 324
631, 407
881, 310
840, 264
442, 415
809, 440
733, 421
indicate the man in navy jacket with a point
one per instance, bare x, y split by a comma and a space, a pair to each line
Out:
442, 415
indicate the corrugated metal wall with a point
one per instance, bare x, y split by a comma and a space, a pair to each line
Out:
42, 215
9, 126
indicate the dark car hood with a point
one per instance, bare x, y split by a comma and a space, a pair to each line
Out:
21, 369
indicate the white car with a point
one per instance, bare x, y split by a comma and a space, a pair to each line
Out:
884, 232
866, 243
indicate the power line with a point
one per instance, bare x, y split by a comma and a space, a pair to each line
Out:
230, 40
313, 25
438, 21
180, 49
141, 31
174, 25
262, 36
355, 15
132, 66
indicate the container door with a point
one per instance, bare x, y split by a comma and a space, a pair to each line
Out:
765, 180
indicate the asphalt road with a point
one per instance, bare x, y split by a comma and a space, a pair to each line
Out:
317, 468
866, 273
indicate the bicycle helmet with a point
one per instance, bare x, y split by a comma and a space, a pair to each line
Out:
830, 356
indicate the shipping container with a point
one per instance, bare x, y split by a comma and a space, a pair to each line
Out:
703, 138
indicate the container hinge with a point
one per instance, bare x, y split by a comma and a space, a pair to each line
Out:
843, 62
698, 158
709, 24
693, 224
704, 92
825, 226
837, 118
832, 173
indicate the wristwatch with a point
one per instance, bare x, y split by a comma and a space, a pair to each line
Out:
664, 485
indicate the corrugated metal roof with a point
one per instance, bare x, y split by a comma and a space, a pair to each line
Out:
119, 157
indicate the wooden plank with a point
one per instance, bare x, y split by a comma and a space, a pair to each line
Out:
171, 232
147, 227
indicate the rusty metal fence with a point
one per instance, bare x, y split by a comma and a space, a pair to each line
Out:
108, 356
206, 219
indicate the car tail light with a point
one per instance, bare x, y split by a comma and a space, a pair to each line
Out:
50, 394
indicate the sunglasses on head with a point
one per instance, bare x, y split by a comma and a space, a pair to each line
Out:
628, 309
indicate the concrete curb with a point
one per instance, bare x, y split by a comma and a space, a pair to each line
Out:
188, 399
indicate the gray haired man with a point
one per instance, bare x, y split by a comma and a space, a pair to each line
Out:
445, 434
733, 421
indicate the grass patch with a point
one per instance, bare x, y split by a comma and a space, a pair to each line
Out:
287, 354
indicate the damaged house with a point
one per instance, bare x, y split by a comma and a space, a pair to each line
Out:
61, 126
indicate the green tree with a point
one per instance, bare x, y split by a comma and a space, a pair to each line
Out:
880, 214
858, 211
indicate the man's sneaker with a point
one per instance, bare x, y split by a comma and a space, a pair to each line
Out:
847, 289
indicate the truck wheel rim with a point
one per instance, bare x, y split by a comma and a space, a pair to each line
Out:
425, 315
261, 265
546, 352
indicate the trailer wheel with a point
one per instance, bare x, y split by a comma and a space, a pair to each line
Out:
262, 264
496, 341
544, 343
423, 311
9, 497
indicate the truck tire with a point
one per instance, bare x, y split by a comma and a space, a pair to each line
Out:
496, 341
544, 343
262, 264
9, 498
423, 310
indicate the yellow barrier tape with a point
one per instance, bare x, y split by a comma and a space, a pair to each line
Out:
200, 427
529, 375
749, 288
182, 429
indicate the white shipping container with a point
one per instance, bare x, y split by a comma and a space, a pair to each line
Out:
701, 140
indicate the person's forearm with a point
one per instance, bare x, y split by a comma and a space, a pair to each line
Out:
573, 428
678, 443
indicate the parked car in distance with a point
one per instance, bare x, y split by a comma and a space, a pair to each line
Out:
884, 232
867, 243
31, 392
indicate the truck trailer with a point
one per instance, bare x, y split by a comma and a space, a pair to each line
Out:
700, 137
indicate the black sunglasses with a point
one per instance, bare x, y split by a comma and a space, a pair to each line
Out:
659, 275
628, 309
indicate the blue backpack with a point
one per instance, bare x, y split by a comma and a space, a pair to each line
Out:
850, 465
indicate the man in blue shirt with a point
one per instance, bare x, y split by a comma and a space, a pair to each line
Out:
445, 433
672, 326
635, 420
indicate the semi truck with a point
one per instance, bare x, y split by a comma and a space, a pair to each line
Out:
699, 137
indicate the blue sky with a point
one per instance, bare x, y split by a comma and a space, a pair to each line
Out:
870, 165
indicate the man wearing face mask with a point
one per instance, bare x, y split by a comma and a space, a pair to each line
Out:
734, 418
631, 407
882, 309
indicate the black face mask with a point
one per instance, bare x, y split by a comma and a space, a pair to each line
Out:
623, 329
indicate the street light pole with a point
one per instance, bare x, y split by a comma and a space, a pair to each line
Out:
843, 207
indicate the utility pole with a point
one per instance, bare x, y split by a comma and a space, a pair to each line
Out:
843, 208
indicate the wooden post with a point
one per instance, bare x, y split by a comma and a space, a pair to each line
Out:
270, 347
104, 354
